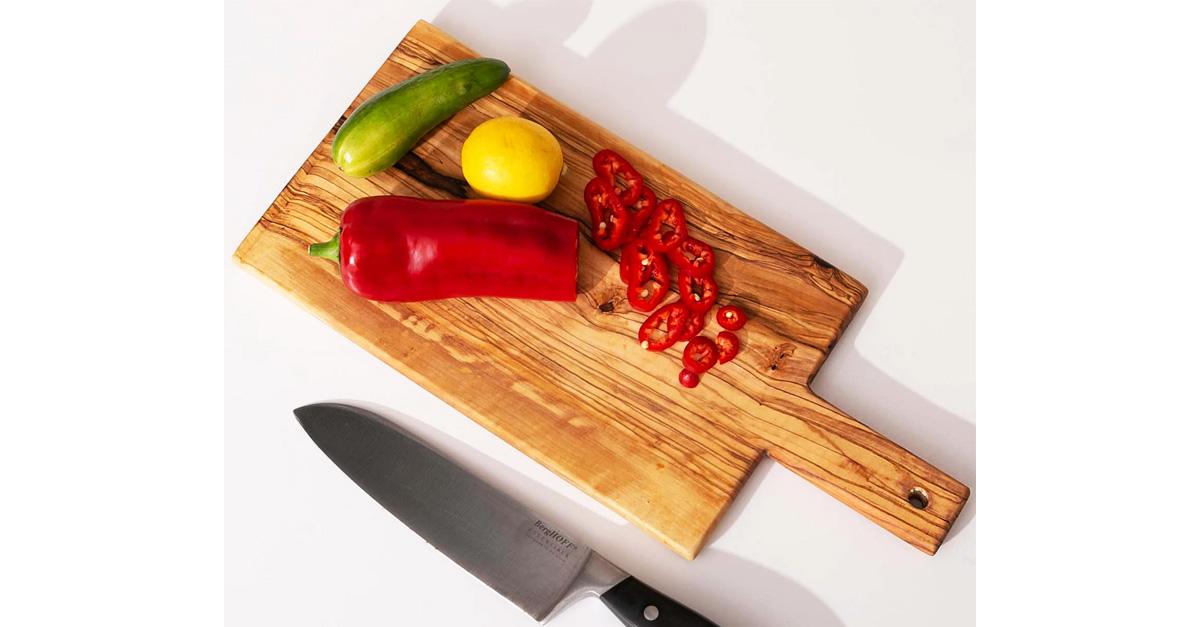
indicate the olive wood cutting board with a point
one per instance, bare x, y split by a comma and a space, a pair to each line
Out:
568, 383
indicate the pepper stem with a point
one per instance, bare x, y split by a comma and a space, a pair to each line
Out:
328, 250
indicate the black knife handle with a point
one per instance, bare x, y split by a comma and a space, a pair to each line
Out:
639, 605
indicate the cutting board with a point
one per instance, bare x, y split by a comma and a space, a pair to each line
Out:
567, 383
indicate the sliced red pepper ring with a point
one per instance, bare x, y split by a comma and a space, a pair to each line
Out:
615, 170
640, 211
663, 327
650, 286
695, 325
636, 258
667, 227
727, 346
688, 379
697, 293
731, 317
700, 354
610, 219
694, 257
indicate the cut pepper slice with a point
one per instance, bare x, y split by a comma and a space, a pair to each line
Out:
700, 354
640, 212
610, 219
695, 324
688, 379
697, 293
636, 258
727, 346
663, 327
667, 227
694, 257
651, 285
619, 174
731, 317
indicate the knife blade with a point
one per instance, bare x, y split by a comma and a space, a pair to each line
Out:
525, 557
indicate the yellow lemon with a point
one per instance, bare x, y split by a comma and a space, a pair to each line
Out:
512, 158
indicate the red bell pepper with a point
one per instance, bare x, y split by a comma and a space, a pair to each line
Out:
395, 248
619, 174
610, 219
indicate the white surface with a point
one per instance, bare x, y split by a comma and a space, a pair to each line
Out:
847, 126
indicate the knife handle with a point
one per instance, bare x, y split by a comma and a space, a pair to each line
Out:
639, 605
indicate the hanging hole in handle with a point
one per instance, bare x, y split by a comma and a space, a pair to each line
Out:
918, 498
650, 613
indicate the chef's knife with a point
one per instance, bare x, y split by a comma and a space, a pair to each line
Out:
521, 555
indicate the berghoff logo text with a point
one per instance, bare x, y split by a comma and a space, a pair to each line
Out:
556, 536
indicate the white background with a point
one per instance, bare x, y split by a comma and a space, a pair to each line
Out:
111, 352
848, 126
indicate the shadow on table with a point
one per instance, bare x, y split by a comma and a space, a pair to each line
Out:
749, 594
626, 84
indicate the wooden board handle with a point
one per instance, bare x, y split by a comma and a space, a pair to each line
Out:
861, 468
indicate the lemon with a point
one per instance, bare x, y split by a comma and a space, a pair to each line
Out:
511, 158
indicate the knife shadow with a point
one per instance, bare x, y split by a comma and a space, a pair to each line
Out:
750, 594
613, 81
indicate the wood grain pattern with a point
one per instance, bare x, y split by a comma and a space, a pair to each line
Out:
567, 383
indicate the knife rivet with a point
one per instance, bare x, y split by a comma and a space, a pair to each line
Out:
650, 613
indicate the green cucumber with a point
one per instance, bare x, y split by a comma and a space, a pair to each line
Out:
388, 125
